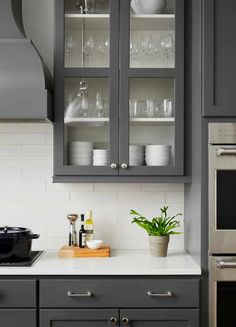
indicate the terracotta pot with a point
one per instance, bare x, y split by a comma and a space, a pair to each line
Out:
158, 245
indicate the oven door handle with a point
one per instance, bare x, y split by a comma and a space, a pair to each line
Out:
226, 151
221, 264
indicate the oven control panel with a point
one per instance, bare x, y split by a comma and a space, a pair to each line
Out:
222, 133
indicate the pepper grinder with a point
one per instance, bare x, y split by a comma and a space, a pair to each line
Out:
72, 233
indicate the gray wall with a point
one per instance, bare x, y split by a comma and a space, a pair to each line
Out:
38, 18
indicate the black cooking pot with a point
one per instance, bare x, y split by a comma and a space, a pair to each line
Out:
15, 243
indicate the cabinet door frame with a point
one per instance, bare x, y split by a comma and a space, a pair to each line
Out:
174, 315
60, 166
126, 73
210, 108
47, 316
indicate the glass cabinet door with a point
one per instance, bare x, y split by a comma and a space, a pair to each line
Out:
152, 88
86, 94
87, 33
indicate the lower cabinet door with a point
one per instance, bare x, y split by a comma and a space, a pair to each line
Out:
79, 318
18, 317
160, 318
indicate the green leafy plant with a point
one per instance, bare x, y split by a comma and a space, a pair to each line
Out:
162, 225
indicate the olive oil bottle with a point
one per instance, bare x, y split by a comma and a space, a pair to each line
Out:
89, 225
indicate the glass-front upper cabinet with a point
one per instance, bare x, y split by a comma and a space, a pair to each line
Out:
152, 87
119, 82
87, 33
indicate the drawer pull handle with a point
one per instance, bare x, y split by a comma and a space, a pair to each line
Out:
71, 294
167, 294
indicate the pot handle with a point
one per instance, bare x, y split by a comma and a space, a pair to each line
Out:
34, 236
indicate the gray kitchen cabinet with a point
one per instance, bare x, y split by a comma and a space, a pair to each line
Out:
108, 318
18, 317
78, 318
18, 303
219, 52
119, 83
117, 293
159, 318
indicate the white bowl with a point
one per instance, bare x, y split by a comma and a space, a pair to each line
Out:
80, 162
80, 155
94, 244
148, 6
100, 151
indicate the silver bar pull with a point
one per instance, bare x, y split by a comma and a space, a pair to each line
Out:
71, 294
221, 264
226, 151
167, 294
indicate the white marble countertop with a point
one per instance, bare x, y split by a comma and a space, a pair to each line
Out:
120, 263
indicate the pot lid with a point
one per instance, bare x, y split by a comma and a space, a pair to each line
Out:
11, 232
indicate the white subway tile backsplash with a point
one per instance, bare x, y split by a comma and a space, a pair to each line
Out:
117, 187
37, 150
22, 138
10, 150
141, 197
69, 187
29, 198
22, 185
174, 197
10, 196
9, 173
37, 173
50, 197
163, 187
22, 162
93, 197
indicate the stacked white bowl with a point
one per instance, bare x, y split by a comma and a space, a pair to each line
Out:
101, 157
136, 155
80, 153
157, 155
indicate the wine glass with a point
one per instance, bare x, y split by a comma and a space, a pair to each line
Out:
99, 105
69, 46
166, 43
89, 49
103, 47
134, 52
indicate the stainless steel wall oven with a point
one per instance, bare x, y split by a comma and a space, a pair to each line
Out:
222, 224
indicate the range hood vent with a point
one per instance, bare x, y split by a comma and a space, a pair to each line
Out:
25, 82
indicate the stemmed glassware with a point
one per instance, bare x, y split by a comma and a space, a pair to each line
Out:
99, 105
89, 49
69, 46
166, 46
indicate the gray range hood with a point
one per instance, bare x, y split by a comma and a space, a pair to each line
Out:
25, 82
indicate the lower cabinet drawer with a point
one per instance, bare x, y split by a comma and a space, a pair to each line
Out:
116, 293
17, 294
17, 317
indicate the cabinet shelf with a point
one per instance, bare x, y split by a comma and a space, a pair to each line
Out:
140, 22
73, 122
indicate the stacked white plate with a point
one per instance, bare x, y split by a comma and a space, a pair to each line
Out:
101, 157
80, 153
136, 155
157, 155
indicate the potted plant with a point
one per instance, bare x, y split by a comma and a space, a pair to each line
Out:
159, 230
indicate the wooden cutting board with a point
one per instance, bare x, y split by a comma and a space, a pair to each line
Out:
77, 252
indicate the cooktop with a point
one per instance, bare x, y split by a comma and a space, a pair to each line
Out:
35, 255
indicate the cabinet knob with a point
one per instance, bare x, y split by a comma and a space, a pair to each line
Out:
124, 165
125, 321
113, 165
113, 320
